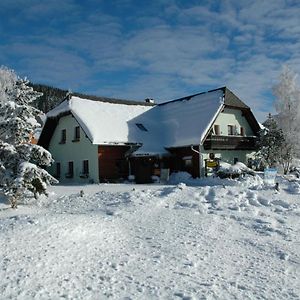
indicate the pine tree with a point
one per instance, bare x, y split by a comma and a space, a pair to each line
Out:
20, 161
271, 142
51, 97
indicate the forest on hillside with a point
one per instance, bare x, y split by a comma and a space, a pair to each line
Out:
52, 96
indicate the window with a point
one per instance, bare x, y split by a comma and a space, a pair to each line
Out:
141, 126
85, 169
187, 161
217, 129
231, 130
235, 160
76, 134
70, 173
57, 174
242, 131
63, 136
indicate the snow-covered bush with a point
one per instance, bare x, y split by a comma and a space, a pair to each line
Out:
20, 161
227, 170
295, 171
178, 177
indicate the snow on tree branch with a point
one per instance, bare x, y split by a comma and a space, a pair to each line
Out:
287, 104
20, 161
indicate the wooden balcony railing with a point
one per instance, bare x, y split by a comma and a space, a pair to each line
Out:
220, 142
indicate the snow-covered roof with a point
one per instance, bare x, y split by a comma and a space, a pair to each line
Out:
103, 122
177, 123
187, 121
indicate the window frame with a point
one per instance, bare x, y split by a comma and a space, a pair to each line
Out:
218, 131
242, 131
85, 168
70, 173
57, 170
76, 134
141, 127
187, 161
231, 132
63, 137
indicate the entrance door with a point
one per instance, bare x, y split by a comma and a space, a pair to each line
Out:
144, 170
113, 165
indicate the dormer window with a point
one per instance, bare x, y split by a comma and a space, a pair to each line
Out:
63, 136
141, 126
76, 134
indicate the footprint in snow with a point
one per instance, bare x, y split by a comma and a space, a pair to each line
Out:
263, 201
183, 296
281, 203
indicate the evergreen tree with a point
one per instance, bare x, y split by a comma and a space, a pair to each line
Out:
51, 97
271, 143
20, 161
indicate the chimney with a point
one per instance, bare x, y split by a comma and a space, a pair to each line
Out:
149, 100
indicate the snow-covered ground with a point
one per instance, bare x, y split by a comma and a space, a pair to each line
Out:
216, 239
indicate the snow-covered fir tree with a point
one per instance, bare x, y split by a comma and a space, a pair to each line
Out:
271, 143
287, 105
20, 161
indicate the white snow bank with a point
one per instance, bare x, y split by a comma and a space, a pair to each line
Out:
152, 242
236, 169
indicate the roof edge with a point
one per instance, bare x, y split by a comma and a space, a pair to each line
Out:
111, 100
191, 96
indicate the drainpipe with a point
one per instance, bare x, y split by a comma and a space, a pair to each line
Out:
198, 152
128, 153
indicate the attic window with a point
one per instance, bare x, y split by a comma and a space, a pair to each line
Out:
141, 126
76, 134
63, 136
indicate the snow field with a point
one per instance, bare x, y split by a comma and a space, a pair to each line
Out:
225, 240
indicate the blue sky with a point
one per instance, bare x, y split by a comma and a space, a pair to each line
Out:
164, 49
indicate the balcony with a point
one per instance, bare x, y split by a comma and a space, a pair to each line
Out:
222, 142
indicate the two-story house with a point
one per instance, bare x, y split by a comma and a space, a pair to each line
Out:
96, 139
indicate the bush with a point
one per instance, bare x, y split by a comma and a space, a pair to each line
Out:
227, 170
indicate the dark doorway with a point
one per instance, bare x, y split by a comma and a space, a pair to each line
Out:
143, 169
113, 166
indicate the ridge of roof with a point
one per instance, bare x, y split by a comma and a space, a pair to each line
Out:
230, 99
191, 96
111, 100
